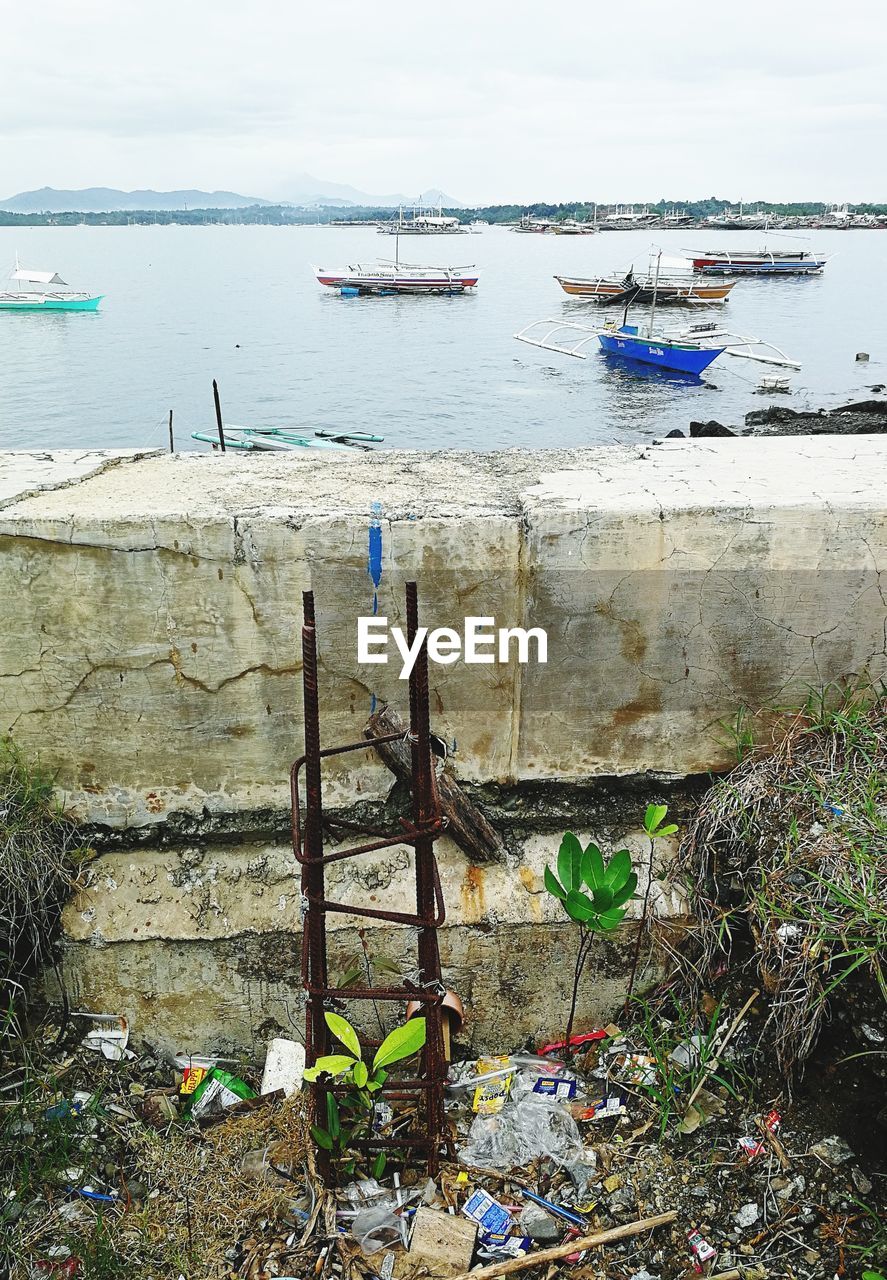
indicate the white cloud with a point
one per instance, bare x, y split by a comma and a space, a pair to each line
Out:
491, 101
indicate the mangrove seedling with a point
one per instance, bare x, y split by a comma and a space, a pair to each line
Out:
601, 910
654, 817
349, 1118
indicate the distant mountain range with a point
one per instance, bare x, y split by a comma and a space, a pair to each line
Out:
300, 190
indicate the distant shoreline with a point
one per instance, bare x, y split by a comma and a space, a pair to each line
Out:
661, 216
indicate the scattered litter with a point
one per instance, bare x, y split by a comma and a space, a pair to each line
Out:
487, 1212
489, 1097
284, 1067
109, 1037
700, 1250
687, 1054
587, 1037
217, 1092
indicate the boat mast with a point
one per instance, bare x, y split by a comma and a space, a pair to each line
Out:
655, 291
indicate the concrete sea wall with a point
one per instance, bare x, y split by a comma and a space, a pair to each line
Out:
149, 656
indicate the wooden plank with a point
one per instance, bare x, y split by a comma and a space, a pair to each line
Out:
464, 822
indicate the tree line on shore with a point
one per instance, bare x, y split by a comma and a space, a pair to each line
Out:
293, 215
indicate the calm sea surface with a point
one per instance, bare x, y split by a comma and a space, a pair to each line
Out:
186, 304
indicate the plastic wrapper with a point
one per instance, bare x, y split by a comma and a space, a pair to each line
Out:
527, 1128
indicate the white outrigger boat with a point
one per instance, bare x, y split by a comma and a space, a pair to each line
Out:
287, 439
53, 293
397, 277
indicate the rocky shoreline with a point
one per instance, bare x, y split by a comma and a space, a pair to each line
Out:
864, 417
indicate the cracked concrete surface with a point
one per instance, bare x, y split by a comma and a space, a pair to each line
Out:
150, 649
150, 657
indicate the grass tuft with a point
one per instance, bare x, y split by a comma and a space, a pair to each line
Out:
39, 854
793, 845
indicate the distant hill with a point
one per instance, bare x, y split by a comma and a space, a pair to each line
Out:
304, 189
299, 190
107, 199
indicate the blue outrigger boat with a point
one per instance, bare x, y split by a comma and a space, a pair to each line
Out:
688, 351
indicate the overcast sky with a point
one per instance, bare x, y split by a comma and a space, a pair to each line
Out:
490, 101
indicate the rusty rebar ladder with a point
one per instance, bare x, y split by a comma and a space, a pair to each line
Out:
420, 832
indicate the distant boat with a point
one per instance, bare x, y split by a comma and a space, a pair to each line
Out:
763, 262
52, 295
397, 277
672, 279
573, 227
423, 222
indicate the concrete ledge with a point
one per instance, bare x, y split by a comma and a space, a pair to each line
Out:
149, 647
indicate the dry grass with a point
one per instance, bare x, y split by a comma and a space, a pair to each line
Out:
39, 851
794, 843
205, 1203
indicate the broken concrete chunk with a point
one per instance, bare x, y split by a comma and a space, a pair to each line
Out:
833, 1150
748, 1215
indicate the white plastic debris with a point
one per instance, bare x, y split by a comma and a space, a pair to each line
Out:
284, 1067
109, 1036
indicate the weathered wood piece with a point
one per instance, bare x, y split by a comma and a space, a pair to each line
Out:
506, 1268
464, 821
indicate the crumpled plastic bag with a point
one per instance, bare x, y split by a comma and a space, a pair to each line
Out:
529, 1127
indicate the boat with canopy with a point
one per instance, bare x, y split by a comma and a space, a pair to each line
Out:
44, 291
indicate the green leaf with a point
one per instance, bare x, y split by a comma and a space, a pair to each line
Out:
379, 1164
618, 869
654, 815
351, 972
384, 964
603, 898
569, 862
665, 831
610, 920
627, 891
334, 1064
361, 1075
343, 1031
402, 1042
579, 906
332, 1116
552, 884
350, 1166
593, 866
322, 1138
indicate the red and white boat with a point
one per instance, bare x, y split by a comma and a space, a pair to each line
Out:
397, 277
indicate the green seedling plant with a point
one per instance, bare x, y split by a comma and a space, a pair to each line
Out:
610, 885
655, 829
349, 1118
